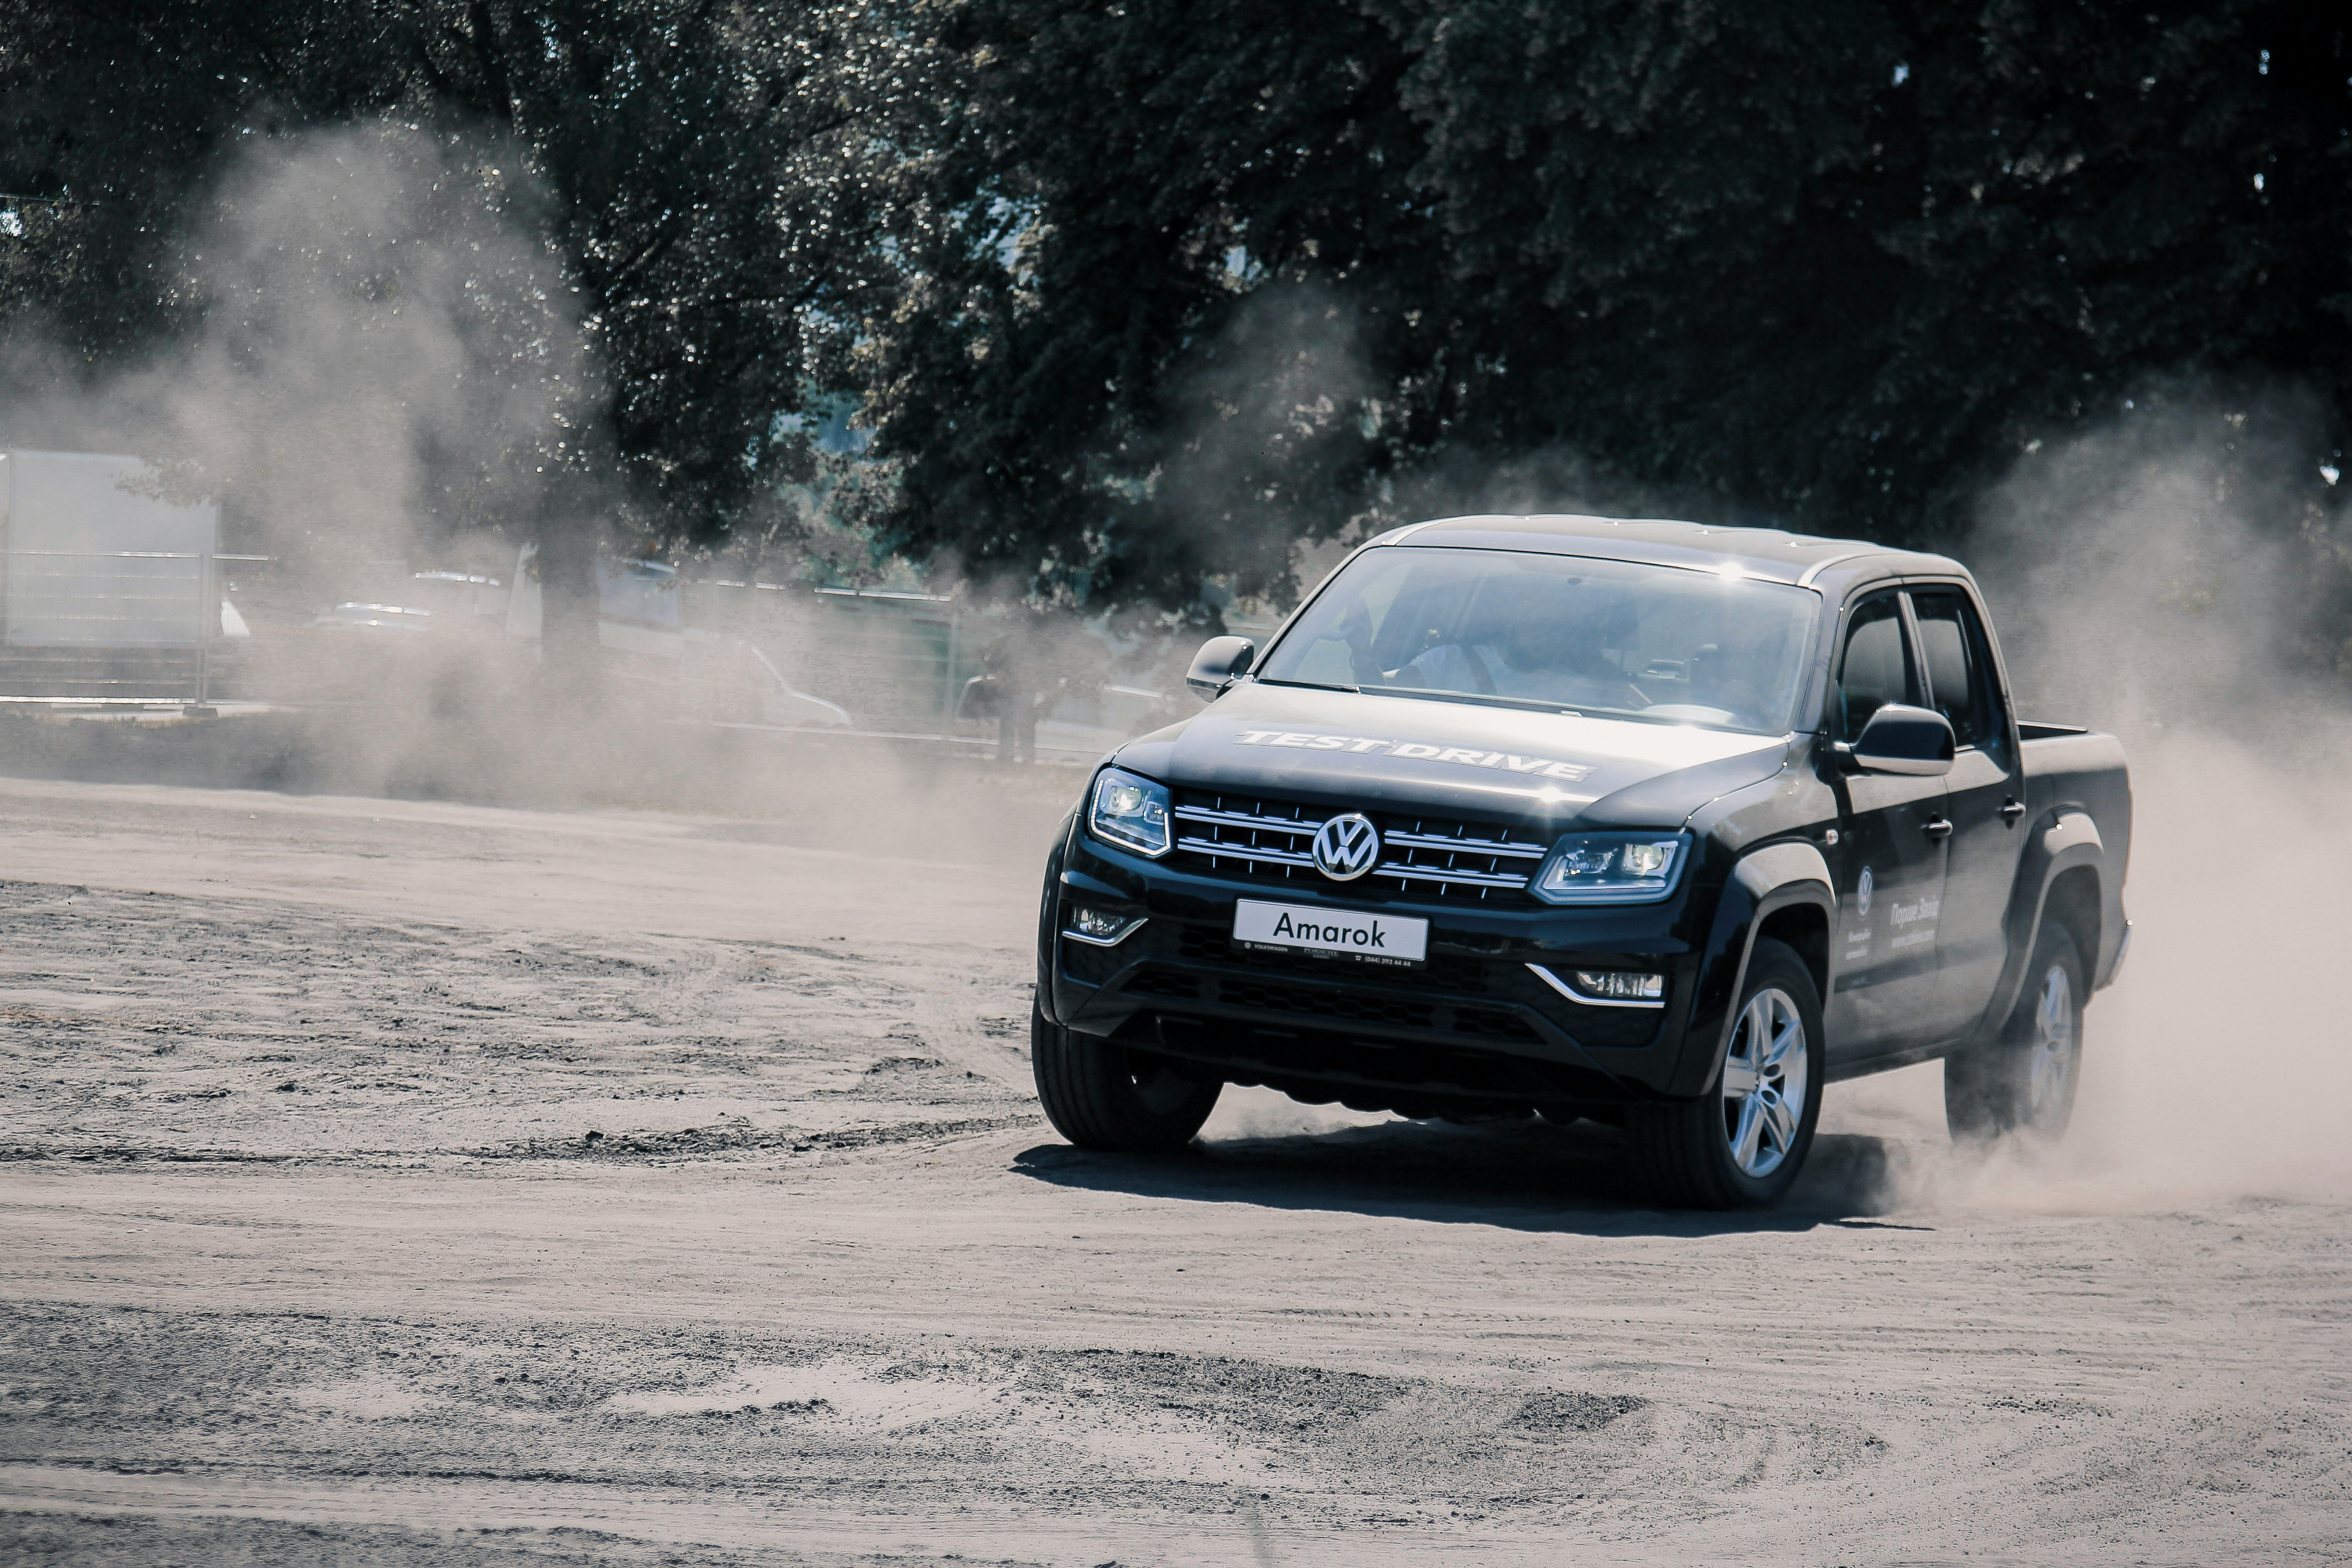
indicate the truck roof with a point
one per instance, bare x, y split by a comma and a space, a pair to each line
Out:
1771, 553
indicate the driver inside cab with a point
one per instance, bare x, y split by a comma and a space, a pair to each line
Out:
1524, 636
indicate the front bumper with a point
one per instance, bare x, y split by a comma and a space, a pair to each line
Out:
1472, 1027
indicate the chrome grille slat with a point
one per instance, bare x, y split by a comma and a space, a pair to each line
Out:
1246, 852
1463, 846
1432, 874
1253, 838
1246, 820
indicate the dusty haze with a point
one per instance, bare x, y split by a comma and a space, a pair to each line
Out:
519, 1138
2147, 580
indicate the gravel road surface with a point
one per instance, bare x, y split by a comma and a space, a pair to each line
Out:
419, 1184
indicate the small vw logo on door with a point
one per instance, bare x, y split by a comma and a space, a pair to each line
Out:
1862, 889
1347, 847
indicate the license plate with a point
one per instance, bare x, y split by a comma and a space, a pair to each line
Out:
1308, 928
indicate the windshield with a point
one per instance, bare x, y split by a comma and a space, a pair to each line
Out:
1659, 643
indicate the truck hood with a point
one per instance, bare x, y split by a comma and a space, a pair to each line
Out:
1363, 749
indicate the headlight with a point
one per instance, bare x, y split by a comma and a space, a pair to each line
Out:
1129, 812
1611, 869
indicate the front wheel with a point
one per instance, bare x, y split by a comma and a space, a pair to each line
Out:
2024, 1082
1103, 1096
1741, 1144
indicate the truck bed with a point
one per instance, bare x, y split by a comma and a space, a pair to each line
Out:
2069, 769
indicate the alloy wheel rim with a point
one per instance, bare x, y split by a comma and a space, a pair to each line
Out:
1764, 1083
2049, 1061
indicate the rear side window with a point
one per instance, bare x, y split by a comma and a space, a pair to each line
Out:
1873, 668
1959, 681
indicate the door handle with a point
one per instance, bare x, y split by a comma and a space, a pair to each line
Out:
2011, 811
1936, 828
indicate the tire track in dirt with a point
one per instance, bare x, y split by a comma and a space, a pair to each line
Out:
408, 1311
152, 1026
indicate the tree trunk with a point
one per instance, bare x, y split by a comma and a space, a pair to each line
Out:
570, 656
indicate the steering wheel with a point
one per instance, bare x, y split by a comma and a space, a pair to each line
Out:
1480, 670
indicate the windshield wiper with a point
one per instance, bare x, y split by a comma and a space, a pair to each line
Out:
1526, 704
1532, 704
1542, 705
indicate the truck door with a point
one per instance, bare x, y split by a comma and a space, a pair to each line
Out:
1984, 796
1889, 865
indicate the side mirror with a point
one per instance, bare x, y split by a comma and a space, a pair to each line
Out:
1900, 738
1215, 666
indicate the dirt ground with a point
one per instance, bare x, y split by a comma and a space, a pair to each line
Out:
418, 1184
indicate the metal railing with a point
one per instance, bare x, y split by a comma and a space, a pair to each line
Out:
123, 626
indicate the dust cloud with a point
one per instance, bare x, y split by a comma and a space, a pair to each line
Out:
387, 369
1243, 1114
382, 353
383, 335
2167, 580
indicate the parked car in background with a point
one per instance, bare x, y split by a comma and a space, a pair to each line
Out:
729, 680
352, 615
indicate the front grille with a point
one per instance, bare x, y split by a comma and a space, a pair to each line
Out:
1349, 1007
1329, 1007
1429, 856
1493, 1023
1464, 992
1158, 982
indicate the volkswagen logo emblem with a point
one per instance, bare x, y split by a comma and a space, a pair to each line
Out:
1347, 847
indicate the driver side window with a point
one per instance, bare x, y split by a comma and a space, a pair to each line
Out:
1874, 667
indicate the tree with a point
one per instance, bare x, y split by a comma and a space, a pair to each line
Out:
1200, 278
1147, 267
1140, 293
699, 177
1844, 263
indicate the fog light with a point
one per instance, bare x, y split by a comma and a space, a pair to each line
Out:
1621, 985
1607, 987
1101, 927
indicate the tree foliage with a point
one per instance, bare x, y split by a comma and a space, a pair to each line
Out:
1200, 277
697, 174
1136, 293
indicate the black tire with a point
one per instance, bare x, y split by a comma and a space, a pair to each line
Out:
1102, 1096
1684, 1151
2025, 1081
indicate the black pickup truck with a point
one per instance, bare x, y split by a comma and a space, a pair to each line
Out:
1661, 825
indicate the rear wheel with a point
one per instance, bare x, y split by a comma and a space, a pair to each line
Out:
1741, 1144
2024, 1082
1103, 1096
